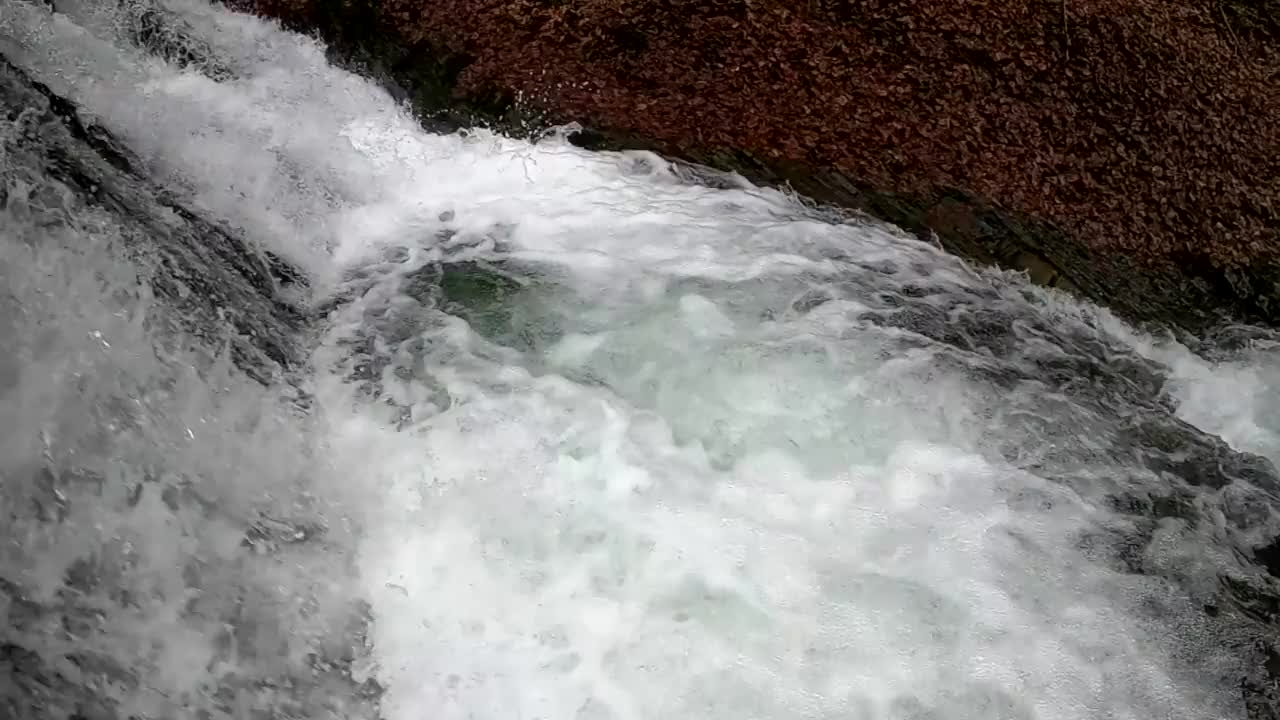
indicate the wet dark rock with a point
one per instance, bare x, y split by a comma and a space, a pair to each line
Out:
1253, 597
268, 534
1157, 504
285, 275
1019, 134
1230, 341
1120, 550
1261, 689
1269, 556
1180, 450
34, 690
68, 651
218, 288
153, 29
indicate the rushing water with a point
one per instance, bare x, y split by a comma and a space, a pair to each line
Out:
575, 436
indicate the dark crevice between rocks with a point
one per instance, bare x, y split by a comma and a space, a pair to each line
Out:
1255, 19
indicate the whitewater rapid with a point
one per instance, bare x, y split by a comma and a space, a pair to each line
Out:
579, 437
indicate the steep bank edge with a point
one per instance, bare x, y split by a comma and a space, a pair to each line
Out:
1192, 298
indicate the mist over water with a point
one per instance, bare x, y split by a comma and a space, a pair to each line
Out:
574, 436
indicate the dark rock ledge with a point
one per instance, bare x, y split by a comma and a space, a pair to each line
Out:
1125, 151
219, 288
78, 652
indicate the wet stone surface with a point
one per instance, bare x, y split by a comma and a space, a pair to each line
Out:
89, 521
1117, 151
219, 289
1114, 436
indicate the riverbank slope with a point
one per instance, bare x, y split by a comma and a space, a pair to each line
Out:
1124, 151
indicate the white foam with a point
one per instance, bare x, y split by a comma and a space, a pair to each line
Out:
708, 508
133, 464
1233, 398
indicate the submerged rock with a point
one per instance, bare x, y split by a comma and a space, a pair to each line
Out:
219, 288
1124, 152
167, 37
1184, 482
129, 562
